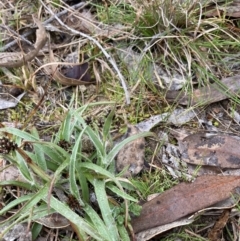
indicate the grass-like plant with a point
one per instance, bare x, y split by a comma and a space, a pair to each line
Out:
175, 36
179, 38
49, 166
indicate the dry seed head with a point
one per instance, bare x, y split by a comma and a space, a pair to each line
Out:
6, 145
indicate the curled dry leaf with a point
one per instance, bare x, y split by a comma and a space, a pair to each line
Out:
216, 150
150, 233
185, 199
54, 220
80, 71
77, 75
207, 94
18, 59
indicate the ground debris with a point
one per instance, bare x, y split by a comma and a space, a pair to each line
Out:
132, 154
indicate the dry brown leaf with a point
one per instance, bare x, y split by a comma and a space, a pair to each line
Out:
54, 220
132, 154
82, 72
150, 233
225, 204
231, 9
21, 58
216, 150
184, 199
208, 94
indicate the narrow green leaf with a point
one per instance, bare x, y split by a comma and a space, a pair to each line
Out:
83, 184
24, 185
123, 233
72, 168
32, 202
55, 152
22, 155
16, 202
97, 142
23, 168
97, 222
36, 229
58, 172
97, 169
22, 134
40, 158
100, 191
67, 127
120, 193
80, 223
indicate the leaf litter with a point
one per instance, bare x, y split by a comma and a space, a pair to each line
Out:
208, 149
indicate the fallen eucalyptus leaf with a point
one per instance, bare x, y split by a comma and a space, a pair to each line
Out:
184, 199
211, 149
216, 231
228, 9
79, 72
226, 88
225, 204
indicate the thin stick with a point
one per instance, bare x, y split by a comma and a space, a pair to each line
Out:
109, 58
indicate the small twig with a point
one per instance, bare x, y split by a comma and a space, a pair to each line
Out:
109, 58
23, 37
15, 34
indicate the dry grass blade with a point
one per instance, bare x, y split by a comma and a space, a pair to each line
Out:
19, 59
